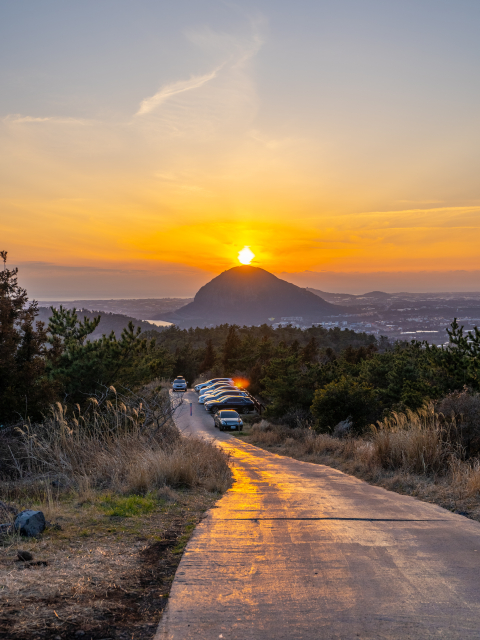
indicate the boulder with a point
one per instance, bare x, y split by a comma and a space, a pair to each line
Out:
30, 523
343, 428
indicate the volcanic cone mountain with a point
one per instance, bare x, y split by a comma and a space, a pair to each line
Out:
249, 295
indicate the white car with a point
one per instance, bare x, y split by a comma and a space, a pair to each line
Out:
224, 393
208, 383
210, 392
214, 387
179, 384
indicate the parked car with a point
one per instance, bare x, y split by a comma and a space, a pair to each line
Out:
216, 387
179, 384
202, 385
238, 403
223, 393
213, 392
228, 421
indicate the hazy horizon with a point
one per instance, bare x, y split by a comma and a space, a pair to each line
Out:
79, 284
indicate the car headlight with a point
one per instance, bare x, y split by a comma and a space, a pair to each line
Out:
222, 422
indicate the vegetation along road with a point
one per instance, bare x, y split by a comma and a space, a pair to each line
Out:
296, 550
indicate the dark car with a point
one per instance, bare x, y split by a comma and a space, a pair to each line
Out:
240, 404
228, 421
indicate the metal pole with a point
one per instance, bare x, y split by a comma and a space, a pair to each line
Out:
191, 408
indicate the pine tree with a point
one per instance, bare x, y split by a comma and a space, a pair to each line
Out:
265, 350
64, 324
82, 366
209, 360
295, 347
310, 351
24, 390
460, 360
231, 350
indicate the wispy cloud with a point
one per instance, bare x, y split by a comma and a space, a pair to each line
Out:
232, 93
174, 88
19, 119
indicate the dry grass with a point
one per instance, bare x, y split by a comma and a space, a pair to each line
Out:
414, 453
107, 575
115, 445
124, 490
418, 442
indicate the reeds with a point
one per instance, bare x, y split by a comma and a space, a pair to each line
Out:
422, 445
120, 443
420, 442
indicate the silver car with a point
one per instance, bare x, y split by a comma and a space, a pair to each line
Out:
179, 384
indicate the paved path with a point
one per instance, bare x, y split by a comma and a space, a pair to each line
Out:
301, 551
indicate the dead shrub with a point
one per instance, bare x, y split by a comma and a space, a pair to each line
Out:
415, 453
297, 418
416, 442
461, 411
473, 479
407, 452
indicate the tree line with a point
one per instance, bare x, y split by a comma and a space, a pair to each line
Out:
324, 375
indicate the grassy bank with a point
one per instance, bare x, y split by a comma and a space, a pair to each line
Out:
417, 453
122, 492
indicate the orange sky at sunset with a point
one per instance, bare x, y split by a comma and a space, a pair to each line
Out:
239, 128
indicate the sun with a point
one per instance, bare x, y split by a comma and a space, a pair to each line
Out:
245, 255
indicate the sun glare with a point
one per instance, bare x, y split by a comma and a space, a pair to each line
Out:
245, 255
242, 383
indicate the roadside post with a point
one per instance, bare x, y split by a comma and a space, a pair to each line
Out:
191, 408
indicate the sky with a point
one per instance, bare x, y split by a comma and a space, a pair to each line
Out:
144, 144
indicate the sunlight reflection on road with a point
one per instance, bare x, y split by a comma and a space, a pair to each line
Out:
296, 550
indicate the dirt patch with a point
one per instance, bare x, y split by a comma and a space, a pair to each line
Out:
99, 576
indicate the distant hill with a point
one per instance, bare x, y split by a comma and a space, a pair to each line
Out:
351, 298
142, 308
249, 295
109, 321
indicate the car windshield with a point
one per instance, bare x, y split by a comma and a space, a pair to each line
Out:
228, 414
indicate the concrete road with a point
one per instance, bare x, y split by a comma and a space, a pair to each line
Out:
301, 551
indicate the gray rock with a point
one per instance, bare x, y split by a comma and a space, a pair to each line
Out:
343, 429
30, 523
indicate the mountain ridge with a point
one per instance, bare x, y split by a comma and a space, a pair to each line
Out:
249, 295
